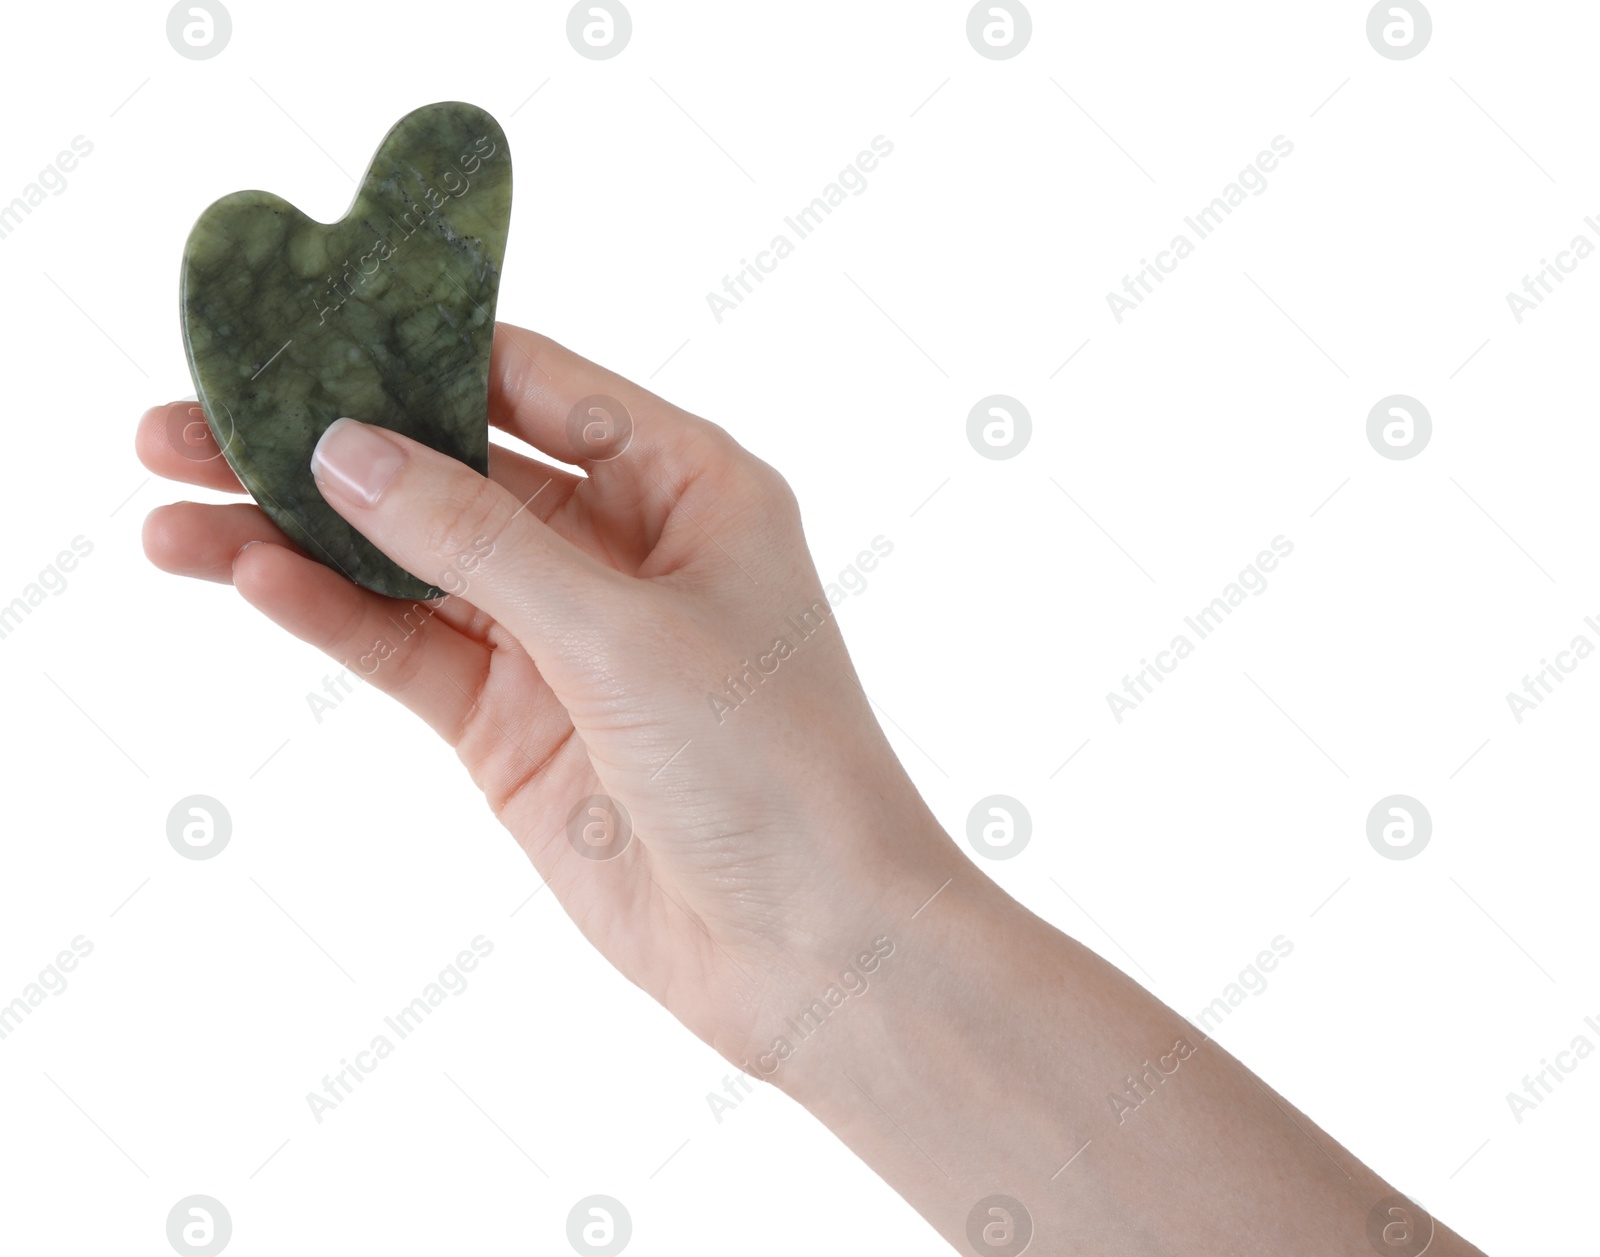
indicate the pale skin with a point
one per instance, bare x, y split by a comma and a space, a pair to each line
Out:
595, 613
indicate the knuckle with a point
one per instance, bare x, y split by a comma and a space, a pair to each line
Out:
773, 490
712, 446
749, 484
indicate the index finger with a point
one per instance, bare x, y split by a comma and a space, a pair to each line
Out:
581, 413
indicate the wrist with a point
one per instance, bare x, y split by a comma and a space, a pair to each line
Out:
890, 980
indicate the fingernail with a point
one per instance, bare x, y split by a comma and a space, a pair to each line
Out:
356, 460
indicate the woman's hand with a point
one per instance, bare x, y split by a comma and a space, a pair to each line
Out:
646, 648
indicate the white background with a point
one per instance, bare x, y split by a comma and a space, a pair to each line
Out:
1221, 414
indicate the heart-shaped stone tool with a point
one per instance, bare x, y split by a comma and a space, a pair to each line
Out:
386, 316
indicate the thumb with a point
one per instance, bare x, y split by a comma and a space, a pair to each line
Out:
467, 535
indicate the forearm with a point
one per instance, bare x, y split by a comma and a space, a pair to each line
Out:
994, 1056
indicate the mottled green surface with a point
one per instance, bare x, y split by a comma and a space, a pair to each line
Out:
386, 316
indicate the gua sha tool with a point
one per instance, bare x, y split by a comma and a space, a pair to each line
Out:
386, 316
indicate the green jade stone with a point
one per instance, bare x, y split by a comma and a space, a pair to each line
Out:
386, 316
